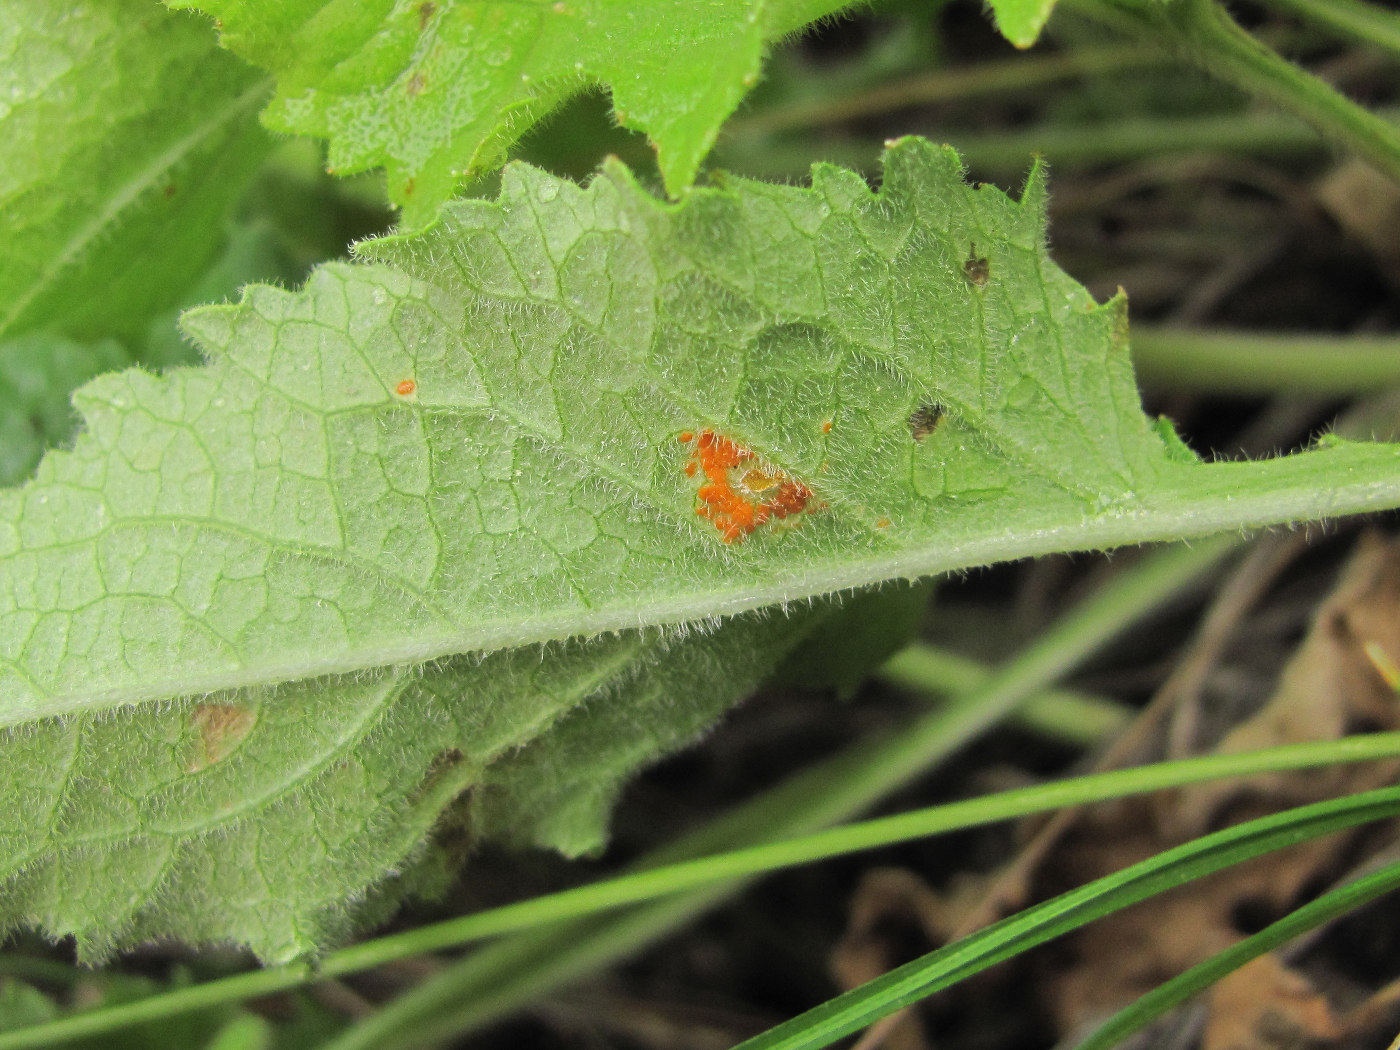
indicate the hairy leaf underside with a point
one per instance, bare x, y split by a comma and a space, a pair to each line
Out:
233, 611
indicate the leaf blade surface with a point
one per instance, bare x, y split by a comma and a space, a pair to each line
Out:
436, 91
472, 441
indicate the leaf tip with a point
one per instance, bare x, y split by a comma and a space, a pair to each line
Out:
1021, 21
210, 327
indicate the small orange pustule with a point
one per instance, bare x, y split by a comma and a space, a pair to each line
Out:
738, 493
826, 427
406, 387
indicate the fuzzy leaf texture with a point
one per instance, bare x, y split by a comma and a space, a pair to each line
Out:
472, 441
289, 818
435, 91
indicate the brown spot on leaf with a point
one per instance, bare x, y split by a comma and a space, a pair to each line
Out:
924, 420
976, 268
416, 84
219, 729
426, 11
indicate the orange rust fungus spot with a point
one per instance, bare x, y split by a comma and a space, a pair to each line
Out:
220, 729
406, 387
826, 427
739, 493
883, 523
686, 437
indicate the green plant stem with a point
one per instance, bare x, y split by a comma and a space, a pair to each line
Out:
1365, 23
971, 81
490, 983
1202, 32
1180, 988
1064, 714
1253, 363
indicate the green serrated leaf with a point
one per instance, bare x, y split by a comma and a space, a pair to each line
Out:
436, 91
256, 816
471, 442
128, 136
478, 439
1021, 21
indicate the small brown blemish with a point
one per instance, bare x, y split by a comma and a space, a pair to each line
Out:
425, 14
924, 420
416, 84
976, 268
409, 186
220, 728
169, 190
826, 427
883, 523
